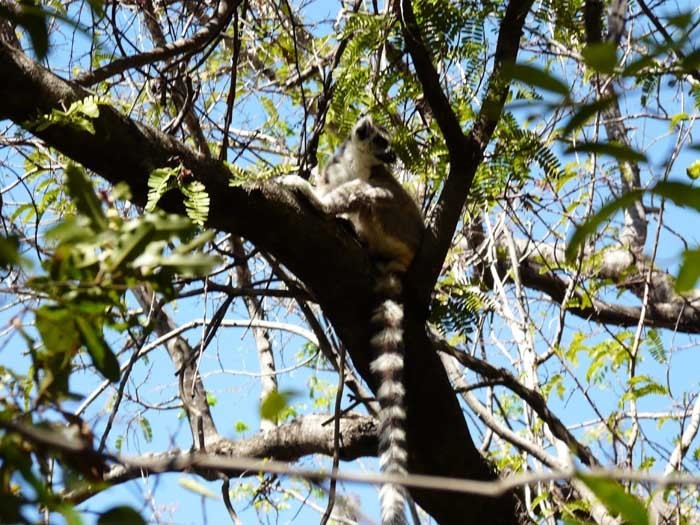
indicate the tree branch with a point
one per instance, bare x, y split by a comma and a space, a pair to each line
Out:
218, 22
465, 152
531, 397
184, 359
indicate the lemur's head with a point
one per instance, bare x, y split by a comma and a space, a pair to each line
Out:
373, 140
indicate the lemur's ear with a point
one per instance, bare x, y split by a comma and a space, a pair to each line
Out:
363, 128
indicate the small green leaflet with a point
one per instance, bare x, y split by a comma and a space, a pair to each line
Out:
601, 57
693, 171
87, 202
274, 404
196, 198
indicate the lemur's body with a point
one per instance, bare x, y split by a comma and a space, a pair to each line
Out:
359, 185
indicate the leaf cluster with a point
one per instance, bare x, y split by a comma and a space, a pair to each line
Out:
97, 257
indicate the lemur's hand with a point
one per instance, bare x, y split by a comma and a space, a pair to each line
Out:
296, 183
292, 181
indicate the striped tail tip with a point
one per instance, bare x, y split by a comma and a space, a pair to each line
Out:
393, 499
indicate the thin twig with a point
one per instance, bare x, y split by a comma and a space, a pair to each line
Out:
336, 437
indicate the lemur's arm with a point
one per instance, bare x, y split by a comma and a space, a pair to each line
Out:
351, 196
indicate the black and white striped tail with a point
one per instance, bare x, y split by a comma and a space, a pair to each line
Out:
388, 366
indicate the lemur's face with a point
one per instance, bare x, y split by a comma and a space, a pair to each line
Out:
373, 140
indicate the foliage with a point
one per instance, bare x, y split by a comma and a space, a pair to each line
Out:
79, 114
195, 196
600, 330
275, 407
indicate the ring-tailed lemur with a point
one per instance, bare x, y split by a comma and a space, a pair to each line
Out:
358, 184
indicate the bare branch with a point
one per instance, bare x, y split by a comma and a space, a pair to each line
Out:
218, 22
533, 398
184, 359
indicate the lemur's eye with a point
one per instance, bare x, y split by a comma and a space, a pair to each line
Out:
381, 142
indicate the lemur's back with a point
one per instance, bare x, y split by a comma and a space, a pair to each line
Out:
392, 231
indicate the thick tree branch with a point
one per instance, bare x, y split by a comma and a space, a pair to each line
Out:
312, 434
677, 316
666, 309
465, 152
289, 442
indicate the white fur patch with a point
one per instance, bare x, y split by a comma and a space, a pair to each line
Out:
397, 434
387, 339
392, 498
387, 363
391, 390
389, 413
389, 312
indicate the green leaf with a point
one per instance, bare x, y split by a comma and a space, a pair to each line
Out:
146, 429
211, 399
102, 356
57, 330
693, 171
691, 61
68, 511
636, 66
131, 244
600, 56
681, 193
689, 272
679, 117
616, 500
196, 201
121, 515
86, 200
643, 385
536, 77
196, 487
33, 19
89, 107
169, 223
274, 404
196, 243
9, 251
72, 230
190, 265
620, 152
160, 181
97, 7
656, 346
